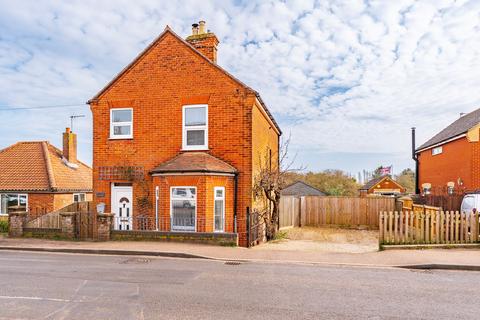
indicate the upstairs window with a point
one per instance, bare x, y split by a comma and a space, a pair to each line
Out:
121, 123
436, 151
195, 127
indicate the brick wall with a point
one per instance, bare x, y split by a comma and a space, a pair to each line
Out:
457, 160
167, 77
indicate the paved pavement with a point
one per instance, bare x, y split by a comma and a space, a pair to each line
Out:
464, 257
72, 286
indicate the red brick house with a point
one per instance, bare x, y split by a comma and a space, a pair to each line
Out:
42, 178
177, 140
382, 186
450, 161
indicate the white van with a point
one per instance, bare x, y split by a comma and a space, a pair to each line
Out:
470, 203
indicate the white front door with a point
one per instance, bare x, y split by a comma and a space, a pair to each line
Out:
122, 207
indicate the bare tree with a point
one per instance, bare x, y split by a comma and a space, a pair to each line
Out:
268, 182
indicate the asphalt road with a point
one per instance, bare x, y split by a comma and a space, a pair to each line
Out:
67, 286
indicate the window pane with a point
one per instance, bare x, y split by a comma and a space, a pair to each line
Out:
195, 137
121, 130
12, 200
82, 197
23, 200
219, 193
195, 116
218, 215
3, 204
183, 214
121, 115
187, 193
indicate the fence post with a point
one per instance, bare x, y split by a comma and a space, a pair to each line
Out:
67, 224
17, 218
248, 227
104, 226
380, 227
303, 211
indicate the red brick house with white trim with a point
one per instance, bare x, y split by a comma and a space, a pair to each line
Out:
177, 140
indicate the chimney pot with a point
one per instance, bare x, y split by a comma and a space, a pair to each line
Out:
195, 29
202, 27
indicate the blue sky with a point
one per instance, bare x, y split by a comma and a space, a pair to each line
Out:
347, 79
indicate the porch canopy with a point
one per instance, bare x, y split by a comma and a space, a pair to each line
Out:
194, 162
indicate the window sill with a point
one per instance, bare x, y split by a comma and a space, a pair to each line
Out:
195, 149
120, 138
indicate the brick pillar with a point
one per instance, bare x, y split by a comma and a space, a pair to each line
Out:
67, 223
17, 218
104, 225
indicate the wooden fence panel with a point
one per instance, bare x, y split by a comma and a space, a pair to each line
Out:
432, 227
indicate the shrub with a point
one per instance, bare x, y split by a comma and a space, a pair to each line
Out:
3, 226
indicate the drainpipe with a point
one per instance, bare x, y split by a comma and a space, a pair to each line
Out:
156, 207
415, 158
235, 181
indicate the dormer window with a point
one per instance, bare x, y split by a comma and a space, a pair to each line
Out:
195, 127
121, 123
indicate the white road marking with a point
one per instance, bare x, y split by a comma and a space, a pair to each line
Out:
35, 298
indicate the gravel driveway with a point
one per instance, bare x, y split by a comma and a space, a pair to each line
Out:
324, 239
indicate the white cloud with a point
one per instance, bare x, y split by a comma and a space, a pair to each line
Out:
345, 77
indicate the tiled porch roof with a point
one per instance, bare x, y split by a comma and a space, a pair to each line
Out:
189, 162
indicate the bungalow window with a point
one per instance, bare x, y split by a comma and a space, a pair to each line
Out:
195, 127
79, 197
121, 124
9, 200
219, 210
437, 150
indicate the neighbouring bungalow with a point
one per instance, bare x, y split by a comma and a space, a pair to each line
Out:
381, 186
38, 176
301, 189
450, 161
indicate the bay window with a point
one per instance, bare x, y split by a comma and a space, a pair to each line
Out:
183, 208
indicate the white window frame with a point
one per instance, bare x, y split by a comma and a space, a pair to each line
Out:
18, 201
202, 127
223, 209
78, 194
124, 123
171, 208
437, 150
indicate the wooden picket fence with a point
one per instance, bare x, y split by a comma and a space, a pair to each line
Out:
428, 227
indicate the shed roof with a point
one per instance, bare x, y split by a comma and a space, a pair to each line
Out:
300, 188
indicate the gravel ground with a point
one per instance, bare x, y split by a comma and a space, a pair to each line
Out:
325, 240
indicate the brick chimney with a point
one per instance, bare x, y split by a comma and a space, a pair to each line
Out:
204, 41
70, 145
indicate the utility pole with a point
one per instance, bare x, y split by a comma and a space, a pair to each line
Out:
73, 117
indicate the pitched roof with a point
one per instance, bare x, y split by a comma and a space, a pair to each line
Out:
458, 127
200, 162
372, 183
300, 188
157, 40
39, 166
